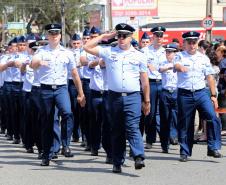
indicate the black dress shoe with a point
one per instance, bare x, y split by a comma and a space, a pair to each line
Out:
83, 144
76, 140
165, 151
94, 152
148, 146
66, 151
183, 158
173, 141
139, 163
109, 160
55, 156
30, 150
2, 131
214, 153
117, 169
87, 149
39, 156
9, 138
16, 141
45, 162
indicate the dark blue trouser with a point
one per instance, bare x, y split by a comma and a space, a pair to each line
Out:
17, 109
152, 121
168, 116
96, 109
2, 112
125, 114
28, 122
222, 103
57, 132
106, 127
35, 113
85, 120
188, 102
74, 107
7, 107
50, 98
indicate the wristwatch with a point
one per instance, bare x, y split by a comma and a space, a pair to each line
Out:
213, 95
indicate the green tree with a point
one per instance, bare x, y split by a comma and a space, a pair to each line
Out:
43, 12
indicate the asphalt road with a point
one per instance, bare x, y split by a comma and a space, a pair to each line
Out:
20, 168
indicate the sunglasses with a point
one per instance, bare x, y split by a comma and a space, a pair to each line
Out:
193, 42
54, 33
124, 36
170, 51
145, 42
158, 34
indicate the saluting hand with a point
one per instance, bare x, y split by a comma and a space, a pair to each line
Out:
81, 100
146, 106
107, 36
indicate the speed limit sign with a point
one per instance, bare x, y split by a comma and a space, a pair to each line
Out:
208, 23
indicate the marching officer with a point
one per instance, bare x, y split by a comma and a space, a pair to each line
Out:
54, 61
145, 40
6, 65
192, 69
84, 74
156, 56
168, 99
125, 67
76, 44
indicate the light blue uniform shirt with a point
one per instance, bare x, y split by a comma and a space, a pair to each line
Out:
76, 53
169, 77
84, 71
28, 80
123, 68
36, 81
60, 61
97, 81
8, 72
3, 59
155, 57
198, 68
16, 73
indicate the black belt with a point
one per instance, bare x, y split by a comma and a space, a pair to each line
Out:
51, 87
170, 90
85, 79
155, 80
121, 93
35, 87
17, 83
7, 82
97, 93
189, 90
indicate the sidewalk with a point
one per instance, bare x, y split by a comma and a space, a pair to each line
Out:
20, 168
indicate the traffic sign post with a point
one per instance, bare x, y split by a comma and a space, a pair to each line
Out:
208, 23
224, 15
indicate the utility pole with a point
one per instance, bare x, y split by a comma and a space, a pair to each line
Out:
3, 29
63, 21
209, 11
110, 14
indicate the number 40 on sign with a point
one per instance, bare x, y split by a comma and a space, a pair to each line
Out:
208, 23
